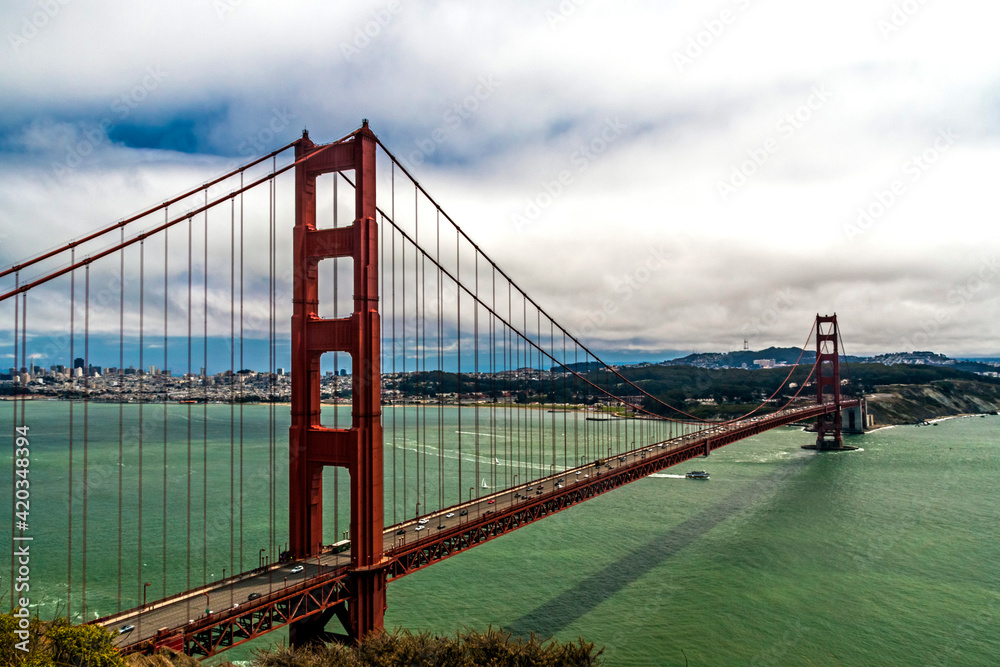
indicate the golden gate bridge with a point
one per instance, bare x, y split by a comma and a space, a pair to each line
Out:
425, 321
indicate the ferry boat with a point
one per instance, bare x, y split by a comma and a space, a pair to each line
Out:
697, 474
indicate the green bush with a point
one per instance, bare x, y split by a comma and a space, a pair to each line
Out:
495, 648
57, 643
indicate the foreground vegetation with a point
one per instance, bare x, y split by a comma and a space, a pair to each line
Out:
59, 643
56, 643
468, 648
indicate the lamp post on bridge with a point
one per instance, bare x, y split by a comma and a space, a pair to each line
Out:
208, 604
260, 558
145, 586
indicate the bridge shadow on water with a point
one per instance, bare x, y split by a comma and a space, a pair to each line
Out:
562, 610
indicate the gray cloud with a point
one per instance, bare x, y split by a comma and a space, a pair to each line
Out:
758, 263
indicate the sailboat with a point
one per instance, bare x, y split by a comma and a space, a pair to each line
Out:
485, 485
496, 461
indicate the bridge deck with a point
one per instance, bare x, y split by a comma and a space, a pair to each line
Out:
295, 590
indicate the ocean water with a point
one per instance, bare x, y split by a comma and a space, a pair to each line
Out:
884, 556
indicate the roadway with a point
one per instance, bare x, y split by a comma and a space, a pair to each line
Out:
234, 592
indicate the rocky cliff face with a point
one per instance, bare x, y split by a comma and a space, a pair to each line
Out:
912, 404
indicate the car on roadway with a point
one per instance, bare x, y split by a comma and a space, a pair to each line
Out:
297, 568
464, 513
449, 515
253, 596
423, 521
419, 528
442, 526
401, 531
490, 501
126, 628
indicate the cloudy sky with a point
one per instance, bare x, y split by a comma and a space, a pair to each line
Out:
660, 176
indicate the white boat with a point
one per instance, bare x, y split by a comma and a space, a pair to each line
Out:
697, 474
485, 485
496, 461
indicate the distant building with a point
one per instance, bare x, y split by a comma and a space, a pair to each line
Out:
78, 362
764, 363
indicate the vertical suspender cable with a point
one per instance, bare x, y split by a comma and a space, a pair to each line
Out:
232, 395
440, 363
121, 406
72, 398
163, 385
204, 406
239, 378
336, 371
142, 377
86, 415
190, 255
395, 442
14, 434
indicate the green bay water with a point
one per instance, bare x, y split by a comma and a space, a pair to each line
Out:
884, 556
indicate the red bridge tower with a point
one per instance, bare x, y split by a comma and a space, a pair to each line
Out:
359, 448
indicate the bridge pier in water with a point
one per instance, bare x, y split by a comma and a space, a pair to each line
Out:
312, 446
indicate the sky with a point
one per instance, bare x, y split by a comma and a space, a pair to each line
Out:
662, 177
